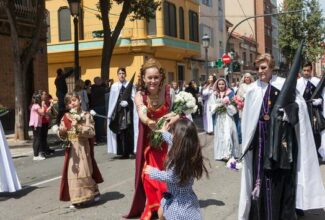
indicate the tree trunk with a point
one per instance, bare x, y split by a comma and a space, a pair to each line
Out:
21, 61
110, 38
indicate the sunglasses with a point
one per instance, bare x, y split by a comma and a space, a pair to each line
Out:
261, 67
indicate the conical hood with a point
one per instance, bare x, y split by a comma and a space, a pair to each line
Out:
319, 89
288, 91
286, 102
128, 90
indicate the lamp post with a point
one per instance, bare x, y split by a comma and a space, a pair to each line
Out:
74, 6
206, 43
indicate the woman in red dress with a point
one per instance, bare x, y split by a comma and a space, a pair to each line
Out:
153, 101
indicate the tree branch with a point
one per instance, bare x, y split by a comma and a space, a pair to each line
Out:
121, 21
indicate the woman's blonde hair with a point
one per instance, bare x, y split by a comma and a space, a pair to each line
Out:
266, 57
150, 63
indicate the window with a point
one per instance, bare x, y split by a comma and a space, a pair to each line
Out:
244, 58
181, 23
193, 26
48, 24
207, 3
251, 59
170, 19
151, 26
64, 24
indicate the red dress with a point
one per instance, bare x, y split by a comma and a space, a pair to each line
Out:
148, 192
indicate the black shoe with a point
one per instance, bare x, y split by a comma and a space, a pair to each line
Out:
124, 157
300, 212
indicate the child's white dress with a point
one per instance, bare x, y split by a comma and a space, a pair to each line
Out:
9, 181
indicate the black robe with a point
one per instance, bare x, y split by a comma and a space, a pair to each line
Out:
125, 134
278, 178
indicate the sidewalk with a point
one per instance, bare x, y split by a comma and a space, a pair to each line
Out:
20, 148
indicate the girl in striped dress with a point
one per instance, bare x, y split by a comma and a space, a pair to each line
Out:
184, 163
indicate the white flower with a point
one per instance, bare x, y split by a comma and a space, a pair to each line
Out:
73, 111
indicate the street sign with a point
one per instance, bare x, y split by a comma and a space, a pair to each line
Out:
226, 59
219, 64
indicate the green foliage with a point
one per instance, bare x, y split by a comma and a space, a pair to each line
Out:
138, 9
294, 27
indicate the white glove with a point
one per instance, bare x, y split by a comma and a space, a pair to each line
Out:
285, 116
317, 102
123, 103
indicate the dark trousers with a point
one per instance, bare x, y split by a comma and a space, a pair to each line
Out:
99, 123
37, 148
124, 141
43, 135
277, 197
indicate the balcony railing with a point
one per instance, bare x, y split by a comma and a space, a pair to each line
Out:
24, 10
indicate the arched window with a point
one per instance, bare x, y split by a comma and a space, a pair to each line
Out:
170, 19
193, 26
181, 23
64, 24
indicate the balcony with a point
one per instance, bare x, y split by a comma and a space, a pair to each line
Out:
25, 11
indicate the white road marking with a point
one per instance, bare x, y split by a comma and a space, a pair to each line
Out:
45, 181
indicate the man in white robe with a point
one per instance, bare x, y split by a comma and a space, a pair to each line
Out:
306, 85
279, 190
123, 142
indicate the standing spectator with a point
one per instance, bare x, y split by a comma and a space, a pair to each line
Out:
88, 89
82, 92
98, 105
47, 104
61, 90
225, 132
207, 114
35, 122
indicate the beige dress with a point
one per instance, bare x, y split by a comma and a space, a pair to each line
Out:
82, 186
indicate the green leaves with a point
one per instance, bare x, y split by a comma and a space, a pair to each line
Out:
295, 27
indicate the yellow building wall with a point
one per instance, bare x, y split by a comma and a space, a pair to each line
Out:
131, 57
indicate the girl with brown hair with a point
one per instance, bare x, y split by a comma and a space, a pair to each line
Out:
184, 164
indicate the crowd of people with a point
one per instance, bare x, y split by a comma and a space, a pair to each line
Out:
270, 124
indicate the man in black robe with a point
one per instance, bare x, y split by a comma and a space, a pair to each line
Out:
121, 117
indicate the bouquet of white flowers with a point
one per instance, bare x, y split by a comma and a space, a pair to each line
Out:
184, 103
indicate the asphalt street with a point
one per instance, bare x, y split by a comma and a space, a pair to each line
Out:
39, 199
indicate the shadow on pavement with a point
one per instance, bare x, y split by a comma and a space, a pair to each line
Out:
17, 195
210, 202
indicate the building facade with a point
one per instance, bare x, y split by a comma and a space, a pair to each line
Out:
244, 55
260, 29
25, 12
172, 37
276, 52
212, 23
